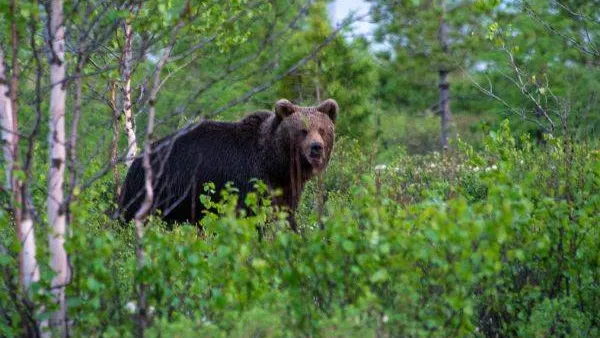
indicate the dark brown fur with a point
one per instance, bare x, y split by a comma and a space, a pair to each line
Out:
283, 149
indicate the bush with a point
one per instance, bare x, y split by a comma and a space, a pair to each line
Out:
497, 242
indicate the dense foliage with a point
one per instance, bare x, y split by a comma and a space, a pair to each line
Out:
497, 236
472, 243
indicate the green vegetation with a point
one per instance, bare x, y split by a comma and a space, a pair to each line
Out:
474, 243
496, 236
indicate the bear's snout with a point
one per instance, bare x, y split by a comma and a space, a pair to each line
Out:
316, 149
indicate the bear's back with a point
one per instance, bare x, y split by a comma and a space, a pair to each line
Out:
219, 151
182, 163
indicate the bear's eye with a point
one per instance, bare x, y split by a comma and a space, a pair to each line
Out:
304, 132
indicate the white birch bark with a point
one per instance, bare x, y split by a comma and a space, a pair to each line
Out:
56, 210
28, 267
8, 139
127, 104
27, 260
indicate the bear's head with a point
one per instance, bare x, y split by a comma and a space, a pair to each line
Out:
309, 132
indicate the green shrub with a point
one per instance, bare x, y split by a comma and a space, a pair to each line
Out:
497, 242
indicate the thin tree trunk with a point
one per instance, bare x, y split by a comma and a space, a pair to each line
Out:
114, 146
12, 137
28, 268
444, 108
56, 208
8, 135
146, 207
139, 220
14, 81
28, 159
27, 261
127, 104
444, 86
72, 149
27, 271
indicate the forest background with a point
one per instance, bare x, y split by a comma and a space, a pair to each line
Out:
462, 198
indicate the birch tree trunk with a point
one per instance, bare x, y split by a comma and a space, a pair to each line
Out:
14, 88
139, 220
8, 136
146, 207
127, 104
28, 268
56, 208
444, 86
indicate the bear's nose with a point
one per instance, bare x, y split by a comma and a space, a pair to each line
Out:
316, 149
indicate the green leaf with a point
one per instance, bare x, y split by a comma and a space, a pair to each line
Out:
380, 275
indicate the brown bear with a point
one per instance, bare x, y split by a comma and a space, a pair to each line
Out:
283, 149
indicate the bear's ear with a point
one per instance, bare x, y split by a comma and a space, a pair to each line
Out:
329, 107
284, 108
